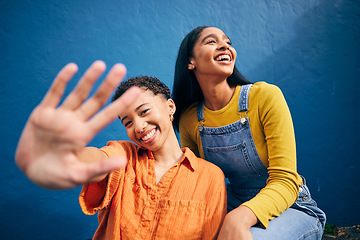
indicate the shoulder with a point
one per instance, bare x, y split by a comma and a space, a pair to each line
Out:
188, 118
211, 179
210, 168
190, 112
202, 166
264, 88
264, 93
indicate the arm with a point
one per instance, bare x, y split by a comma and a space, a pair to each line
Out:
282, 185
237, 224
51, 148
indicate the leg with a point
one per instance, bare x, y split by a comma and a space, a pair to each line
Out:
291, 224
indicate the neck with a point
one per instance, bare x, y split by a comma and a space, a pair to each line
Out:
170, 153
216, 94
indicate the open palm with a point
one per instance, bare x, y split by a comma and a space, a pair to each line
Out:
54, 136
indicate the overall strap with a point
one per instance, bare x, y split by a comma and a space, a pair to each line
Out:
244, 98
200, 111
243, 102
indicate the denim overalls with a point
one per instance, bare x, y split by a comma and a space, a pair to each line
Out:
232, 148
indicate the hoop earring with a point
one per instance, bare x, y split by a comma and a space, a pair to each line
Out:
172, 117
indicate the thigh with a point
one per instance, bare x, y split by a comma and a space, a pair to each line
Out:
291, 224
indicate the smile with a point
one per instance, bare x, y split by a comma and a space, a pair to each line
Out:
149, 135
223, 58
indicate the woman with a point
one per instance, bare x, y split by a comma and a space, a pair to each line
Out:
145, 189
245, 129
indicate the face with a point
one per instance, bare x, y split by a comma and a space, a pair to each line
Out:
213, 54
147, 120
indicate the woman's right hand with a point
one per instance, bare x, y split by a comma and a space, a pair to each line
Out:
237, 224
54, 136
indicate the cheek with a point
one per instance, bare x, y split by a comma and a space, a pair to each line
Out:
130, 134
203, 60
201, 52
234, 53
205, 53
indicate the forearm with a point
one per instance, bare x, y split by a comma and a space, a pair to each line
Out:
248, 217
282, 185
275, 198
237, 224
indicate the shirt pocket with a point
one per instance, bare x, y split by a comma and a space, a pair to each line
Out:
181, 219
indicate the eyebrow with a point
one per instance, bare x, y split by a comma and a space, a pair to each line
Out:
214, 36
136, 109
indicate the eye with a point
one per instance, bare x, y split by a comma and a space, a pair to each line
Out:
229, 42
210, 41
142, 113
128, 123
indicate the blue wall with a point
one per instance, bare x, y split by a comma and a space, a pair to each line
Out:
309, 48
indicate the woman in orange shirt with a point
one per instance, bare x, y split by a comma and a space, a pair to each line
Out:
149, 190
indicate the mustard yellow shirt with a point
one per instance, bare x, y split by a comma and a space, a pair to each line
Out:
273, 133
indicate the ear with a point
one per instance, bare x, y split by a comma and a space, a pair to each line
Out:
191, 65
171, 105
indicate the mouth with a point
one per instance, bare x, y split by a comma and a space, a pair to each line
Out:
148, 135
223, 58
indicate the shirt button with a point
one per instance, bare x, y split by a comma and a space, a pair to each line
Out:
152, 197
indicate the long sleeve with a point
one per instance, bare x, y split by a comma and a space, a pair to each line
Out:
272, 130
282, 186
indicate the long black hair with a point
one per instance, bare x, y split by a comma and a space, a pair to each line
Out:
186, 89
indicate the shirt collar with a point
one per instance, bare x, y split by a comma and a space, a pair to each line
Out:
189, 159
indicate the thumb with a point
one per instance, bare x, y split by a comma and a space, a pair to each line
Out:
105, 166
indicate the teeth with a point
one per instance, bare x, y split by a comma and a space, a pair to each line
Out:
223, 57
149, 135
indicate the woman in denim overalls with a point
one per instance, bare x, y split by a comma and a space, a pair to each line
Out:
205, 73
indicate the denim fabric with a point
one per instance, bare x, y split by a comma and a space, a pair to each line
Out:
306, 204
232, 148
290, 225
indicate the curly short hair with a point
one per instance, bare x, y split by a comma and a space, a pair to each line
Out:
145, 82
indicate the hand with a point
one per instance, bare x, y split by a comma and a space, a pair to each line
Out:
54, 136
237, 224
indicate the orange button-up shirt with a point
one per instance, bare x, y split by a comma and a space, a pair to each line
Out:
189, 202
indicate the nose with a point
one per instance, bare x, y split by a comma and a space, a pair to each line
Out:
223, 45
140, 126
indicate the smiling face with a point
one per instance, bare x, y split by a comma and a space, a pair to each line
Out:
147, 120
213, 54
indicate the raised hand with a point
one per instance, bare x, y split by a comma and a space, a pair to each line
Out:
54, 136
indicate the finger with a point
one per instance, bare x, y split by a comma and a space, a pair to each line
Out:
111, 112
56, 91
82, 89
98, 100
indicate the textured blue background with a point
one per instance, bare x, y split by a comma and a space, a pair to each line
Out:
309, 48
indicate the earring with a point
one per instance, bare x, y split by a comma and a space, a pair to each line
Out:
191, 66
172, 117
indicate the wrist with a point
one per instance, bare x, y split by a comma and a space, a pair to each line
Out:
246, 216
